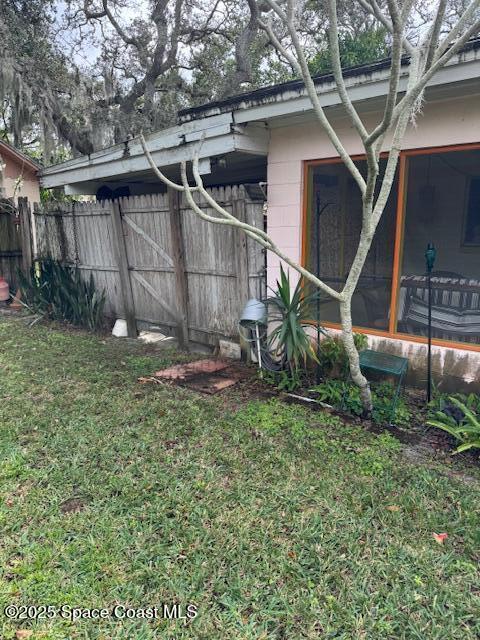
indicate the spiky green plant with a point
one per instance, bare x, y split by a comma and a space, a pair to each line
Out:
293, 312
58, 292
467, 431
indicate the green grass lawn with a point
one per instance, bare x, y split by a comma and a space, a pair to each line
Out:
276, 522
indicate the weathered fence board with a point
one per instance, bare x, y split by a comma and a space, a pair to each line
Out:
122, 261
15, 239
188, 276
10, 243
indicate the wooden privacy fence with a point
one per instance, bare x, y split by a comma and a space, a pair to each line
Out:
15, 239
159, 263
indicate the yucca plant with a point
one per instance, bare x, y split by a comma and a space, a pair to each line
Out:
466, 430
292, 311
59, 292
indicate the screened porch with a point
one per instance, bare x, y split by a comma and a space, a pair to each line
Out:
435, 199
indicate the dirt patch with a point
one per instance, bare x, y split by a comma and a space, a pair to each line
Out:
171, 444
73, 504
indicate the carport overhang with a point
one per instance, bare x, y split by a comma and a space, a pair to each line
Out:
229, 153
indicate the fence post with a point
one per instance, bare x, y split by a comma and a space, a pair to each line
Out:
124, 272
35, 239
181, 281
26, 232
241, 259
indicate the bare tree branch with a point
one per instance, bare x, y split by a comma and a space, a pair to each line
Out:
371, 7
436, 28
395, 70
266, 25
338, 74
415, 92
312, 93
226, 218
161, 176
106, 12
455, 32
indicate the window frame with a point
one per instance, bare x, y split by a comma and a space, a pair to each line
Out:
464, 244
398, 244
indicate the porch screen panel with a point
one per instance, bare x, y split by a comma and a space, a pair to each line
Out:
334, 198
442, 207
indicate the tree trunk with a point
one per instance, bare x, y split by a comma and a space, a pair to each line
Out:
353, 357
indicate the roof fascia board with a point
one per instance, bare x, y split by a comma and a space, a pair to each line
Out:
295, 88
358, 93
163, 158
161, 140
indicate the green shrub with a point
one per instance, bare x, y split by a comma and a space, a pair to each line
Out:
333, 356
286, 379
463, 424
58, 292
346, 396
443, 401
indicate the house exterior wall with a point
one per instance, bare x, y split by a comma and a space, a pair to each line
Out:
446, 122
29, 188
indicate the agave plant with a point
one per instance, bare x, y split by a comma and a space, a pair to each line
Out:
292, 311
466, 431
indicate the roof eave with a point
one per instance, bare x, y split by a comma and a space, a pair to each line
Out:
168, 148
367, 73
19, 156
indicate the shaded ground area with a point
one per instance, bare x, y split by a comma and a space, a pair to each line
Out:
276, 521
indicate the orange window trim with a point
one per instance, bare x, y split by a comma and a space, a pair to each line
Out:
305, 178
398, 247
399, 227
